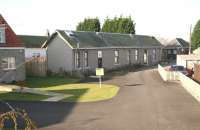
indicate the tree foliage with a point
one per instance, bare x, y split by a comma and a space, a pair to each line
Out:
89, 24
196, 36
119, 25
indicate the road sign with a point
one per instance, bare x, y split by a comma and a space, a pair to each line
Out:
99, 71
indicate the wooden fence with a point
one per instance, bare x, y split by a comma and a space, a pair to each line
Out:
36, 67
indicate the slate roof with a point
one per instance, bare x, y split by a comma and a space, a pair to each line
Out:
100, 39
11, 38
173, 43
30, 41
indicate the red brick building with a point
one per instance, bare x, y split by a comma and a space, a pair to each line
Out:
12, 59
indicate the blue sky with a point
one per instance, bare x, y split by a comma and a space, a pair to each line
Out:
163, 18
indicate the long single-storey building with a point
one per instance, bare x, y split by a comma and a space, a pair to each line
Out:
78, 51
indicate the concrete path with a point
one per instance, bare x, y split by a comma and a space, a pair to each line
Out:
144, 102
54, 96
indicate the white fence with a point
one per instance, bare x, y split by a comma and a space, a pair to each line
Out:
190, 85
167, 75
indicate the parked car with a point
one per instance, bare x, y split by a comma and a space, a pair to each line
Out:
179, 68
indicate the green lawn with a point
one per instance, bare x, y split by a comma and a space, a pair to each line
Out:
85, 92
81, 92
22, 96
42, 82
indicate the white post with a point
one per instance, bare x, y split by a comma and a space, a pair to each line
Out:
100, 81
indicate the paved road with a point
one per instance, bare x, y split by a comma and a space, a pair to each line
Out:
144, 102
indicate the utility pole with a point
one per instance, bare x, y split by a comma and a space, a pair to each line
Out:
190, 42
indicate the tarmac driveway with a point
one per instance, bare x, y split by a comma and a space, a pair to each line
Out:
144, 102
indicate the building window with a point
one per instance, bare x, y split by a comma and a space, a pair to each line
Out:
169, 51
116, 60
35, 55
2, 34
8, 63
136, 54
86, 59
100, 60
175, 52
154, 54
128, 56
145, 56
1, 37
99, 54
77, 59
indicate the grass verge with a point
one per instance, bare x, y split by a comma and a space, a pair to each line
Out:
16, 96
42, 82
85, 92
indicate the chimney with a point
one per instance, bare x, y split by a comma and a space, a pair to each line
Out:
48, 33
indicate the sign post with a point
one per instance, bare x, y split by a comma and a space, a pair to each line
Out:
99, 72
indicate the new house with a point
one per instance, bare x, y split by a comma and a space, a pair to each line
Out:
12, 60
78, 51
173, 47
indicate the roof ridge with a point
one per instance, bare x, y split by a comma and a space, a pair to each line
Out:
32, 35
106, 33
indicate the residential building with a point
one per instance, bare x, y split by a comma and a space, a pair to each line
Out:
173, 47
12, 58
78, 51
33, 46
188, 61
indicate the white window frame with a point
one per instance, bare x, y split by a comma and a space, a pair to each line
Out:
8, 63
175, 52
169, 52
2, 34
128, 55
85, 58
136, 54
116, 58
1, 37
99, 54
77, 60
145, 56
36, 55
154, 54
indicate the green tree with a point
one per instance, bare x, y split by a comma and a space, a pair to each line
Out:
196, 36
119, 25
89, 24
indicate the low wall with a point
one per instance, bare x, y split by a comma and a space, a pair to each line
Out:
167, 75
191, 86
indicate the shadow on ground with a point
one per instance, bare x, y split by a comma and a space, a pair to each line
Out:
43, 113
